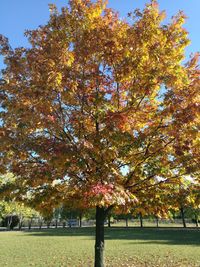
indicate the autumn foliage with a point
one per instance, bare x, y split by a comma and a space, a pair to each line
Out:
95, 94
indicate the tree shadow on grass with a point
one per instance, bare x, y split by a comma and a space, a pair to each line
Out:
142, 235
158, 236
74, 231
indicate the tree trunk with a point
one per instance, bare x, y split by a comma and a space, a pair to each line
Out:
99, 244
20, 221
80, 220
29, 224
157, 222
126, 222
20, 225
141, 220
9, 223
56, 223
183, 217
196, 220
109, 224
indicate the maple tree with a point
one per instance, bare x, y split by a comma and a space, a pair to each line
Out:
99, 111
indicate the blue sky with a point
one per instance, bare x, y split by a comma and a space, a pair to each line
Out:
18, 15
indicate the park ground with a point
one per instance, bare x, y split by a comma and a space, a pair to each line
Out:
131, 247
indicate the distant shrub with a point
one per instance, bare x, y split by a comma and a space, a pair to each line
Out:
10, 221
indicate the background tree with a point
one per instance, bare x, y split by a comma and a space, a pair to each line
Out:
185, 197
57, 216
98, 110
67, 212
13, 214
195, 203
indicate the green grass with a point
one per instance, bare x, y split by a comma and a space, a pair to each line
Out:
124, 247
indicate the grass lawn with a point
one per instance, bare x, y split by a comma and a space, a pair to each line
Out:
124, 247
